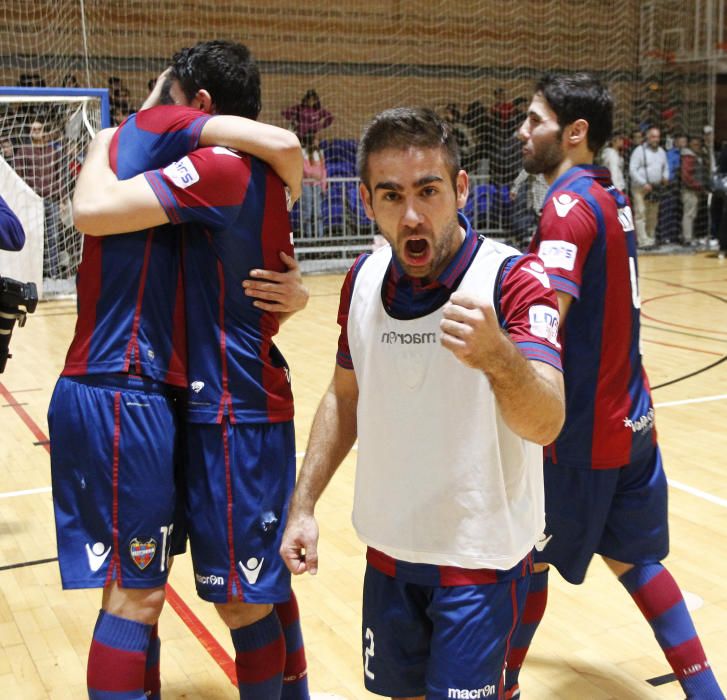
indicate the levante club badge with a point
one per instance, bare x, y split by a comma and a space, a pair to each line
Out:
142, 551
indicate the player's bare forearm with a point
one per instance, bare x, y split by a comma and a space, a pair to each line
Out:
103, 205
278, 147
331, 438
281, 293
529, 394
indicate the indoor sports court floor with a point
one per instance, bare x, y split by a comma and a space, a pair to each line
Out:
593, 643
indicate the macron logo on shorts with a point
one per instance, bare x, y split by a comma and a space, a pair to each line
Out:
542, 543
487, 691
96, 556
251, 569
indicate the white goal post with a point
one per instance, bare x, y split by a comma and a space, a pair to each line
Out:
44, 133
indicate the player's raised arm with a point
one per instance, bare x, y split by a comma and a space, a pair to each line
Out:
529, 393
279, 148
104, 205
331, 437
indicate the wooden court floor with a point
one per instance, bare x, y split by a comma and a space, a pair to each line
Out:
593, 643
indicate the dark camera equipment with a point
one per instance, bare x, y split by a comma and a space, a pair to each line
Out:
17, 300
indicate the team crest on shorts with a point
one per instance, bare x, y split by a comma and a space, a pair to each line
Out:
142, 551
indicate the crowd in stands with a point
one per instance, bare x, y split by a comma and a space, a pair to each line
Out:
676, 181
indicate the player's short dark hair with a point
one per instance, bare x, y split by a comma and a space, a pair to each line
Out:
225, 69
575, 96
405, 127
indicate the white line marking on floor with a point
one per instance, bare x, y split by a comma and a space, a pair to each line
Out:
27, 492
699, 494
684, 402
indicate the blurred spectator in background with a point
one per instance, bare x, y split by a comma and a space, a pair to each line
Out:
649, 173
308, 117
479, 121
612, 159
38, 163
31, 80
719, 202
462, 135
69, 81
527, 194
315, 185
694, 180
670, 212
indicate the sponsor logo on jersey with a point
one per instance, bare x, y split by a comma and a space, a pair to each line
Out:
487, 691
251, 569
182, 173
544, 321
150, 354
96, 555
542, 543
392, 338
196, 387
210, 580
641, 424
563, 204
626, 218
560, 254
142, 551
538, 271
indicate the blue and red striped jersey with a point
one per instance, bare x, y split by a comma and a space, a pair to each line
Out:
586, 241
234, 210
521, 288
130, 296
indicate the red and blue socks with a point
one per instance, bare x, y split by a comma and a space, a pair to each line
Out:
117, 659
658, 597
533, 612
295, 675
260, 658
152, 680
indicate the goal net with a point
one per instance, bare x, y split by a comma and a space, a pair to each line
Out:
44, 134
473, 61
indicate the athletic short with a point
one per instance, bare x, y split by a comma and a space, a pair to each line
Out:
112, 469
619, 513
442, 642
239, 479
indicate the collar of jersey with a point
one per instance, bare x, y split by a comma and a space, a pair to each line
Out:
595, 172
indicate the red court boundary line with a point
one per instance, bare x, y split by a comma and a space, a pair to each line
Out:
194, 624
29, 422
676, 325
682, 347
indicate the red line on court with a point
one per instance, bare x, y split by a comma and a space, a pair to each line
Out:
195, 625
213, 647
29, 422
676, 325
682, 347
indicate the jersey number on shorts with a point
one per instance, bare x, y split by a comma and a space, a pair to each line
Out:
369, 652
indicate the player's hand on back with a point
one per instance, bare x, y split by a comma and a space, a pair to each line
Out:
299, 547
471, 331
278, 292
